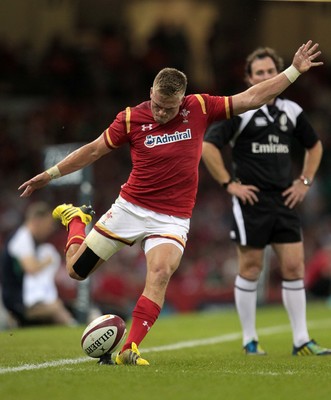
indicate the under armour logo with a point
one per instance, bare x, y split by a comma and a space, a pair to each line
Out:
145, 323
145, 127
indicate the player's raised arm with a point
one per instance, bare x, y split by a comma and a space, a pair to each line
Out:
261, 93
76, 160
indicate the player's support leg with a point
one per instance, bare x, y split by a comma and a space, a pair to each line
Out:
162, 261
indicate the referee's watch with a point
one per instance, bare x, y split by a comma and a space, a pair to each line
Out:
306, 181
231, 180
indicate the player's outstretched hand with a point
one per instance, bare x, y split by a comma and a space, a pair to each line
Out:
304, 58
36, 182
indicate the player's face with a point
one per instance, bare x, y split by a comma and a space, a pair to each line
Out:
262, 70
164, 108
43, 227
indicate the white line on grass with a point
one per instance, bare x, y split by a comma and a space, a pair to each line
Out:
57, 363
231, 337
175, 346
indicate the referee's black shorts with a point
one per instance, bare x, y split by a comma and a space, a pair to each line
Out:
268, 221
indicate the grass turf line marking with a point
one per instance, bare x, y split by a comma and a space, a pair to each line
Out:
58, 363
175, 346
230, 337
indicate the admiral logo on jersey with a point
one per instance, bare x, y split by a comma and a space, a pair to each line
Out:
272, 147
167, 138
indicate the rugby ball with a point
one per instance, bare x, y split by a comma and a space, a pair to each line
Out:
103, 335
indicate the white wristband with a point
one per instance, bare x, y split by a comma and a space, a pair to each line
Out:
292, 73
54, 172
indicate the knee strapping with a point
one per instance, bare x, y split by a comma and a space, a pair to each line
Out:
85, 263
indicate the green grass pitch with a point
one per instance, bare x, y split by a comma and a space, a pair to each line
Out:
192, 356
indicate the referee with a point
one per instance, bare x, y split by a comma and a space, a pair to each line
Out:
265, 196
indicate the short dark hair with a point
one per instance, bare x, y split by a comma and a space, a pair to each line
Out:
258, 54
37, 210
170, 82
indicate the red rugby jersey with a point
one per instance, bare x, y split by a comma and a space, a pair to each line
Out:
165, 158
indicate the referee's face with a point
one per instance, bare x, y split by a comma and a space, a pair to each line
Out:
262, 70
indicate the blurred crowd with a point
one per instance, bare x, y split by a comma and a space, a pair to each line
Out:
71, 92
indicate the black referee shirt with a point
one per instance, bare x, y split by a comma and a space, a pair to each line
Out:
262, 141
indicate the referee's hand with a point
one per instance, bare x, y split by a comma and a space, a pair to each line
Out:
295, 194
246, 193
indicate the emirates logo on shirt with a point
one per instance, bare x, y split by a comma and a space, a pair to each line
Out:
272, 147
167, 138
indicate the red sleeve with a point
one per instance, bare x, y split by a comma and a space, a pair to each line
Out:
118, 131
216, 107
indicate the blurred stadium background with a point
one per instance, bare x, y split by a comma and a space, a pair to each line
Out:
68, 66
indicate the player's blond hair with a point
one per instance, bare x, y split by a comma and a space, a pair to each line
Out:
170, 82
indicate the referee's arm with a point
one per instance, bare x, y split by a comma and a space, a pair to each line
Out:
213, 160
312, 161
297, 191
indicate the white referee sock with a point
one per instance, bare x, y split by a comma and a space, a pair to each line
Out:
245, 294
294, 300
